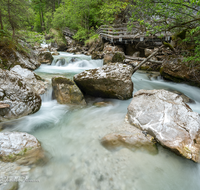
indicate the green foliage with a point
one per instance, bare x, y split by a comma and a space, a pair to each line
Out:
177, 16
31, 37
92, 39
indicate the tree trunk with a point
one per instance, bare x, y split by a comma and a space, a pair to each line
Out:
1, 20
43, 26
40, 19
142, 59
10, 19
13, 29
148, 58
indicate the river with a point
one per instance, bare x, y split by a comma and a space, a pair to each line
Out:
71, 138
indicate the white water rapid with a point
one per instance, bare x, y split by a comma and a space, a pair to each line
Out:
77, 161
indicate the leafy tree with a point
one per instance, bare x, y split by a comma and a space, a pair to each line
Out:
177, 16
13, 13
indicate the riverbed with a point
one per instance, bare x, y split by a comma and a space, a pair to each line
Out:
71, 138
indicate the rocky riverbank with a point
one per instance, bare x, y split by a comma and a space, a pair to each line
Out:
170, 65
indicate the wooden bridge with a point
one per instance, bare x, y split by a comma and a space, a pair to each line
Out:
119, 34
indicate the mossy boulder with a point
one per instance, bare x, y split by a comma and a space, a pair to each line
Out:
113, 57
118, 57
109, 81
45, 58
20, 147
175, 69
13, 52
66, 91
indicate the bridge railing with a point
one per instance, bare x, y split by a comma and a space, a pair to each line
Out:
120, 33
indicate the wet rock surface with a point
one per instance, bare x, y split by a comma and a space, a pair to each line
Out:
20, 147
109, 81
130, 137
168, 119
20, 97
66, 91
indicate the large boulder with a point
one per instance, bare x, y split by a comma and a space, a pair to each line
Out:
166, 117
175, 69
20, 147
45, 58
11, 55
38, 85
20, 97
66, 91
130, 137
109, 81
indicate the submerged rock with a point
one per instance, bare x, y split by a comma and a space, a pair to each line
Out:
20, 97
109, 81
20, 147
11, 186
102, 104
131, 138
66, 91
168, 119
45, 58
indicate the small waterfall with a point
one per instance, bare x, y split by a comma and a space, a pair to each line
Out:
47, 96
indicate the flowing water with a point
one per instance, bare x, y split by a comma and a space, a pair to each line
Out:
77, 161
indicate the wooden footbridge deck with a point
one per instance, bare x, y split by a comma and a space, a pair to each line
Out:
119, 34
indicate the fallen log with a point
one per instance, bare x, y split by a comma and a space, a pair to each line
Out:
142, 59
148, 58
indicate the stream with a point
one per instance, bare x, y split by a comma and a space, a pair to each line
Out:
71, 138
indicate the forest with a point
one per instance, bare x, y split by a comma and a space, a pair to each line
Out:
181, 17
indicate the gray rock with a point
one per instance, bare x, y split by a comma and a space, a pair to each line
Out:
168, 119
66, 91
109, 81
21, 98
29, 77
20, 147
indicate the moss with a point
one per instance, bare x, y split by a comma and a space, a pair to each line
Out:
62, 80
20, 83
161, 70
38, 77
169, 46
118, 57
